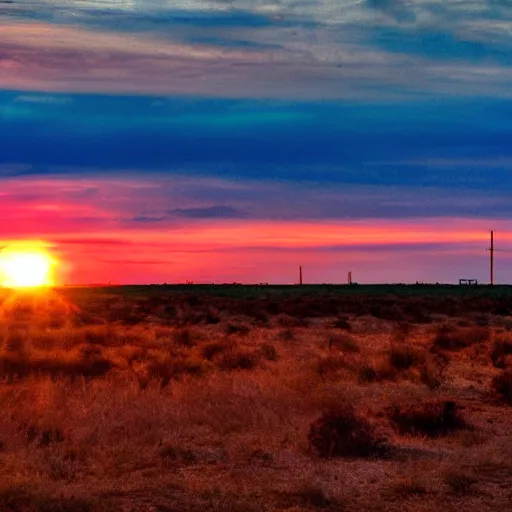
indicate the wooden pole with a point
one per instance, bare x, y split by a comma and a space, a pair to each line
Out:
492, 257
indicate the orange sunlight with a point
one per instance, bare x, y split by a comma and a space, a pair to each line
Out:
25, 267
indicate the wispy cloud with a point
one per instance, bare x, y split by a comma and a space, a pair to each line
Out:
330, 49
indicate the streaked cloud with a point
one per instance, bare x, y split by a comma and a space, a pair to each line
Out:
260, 48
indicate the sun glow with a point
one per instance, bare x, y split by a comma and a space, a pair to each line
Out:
24, 268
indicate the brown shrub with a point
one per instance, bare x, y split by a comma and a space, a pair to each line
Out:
432, 373
460, 482
502, 385
404, 488
342, 323
344, 342
313, 496
286, 335
172, 369
211, 349
284, 320
341, 432
26, 498
20, 366
237, 359
431, 418
376, 371
100, 335
184, 336
403, 356
401, 331
240, 329
43, 436
331, 365
501, 350
268, 352
177, 454
457, 338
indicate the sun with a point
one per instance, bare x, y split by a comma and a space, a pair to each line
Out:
25, 268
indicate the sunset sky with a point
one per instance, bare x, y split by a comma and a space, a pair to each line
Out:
149, 141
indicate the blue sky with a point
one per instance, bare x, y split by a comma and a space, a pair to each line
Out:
128, 118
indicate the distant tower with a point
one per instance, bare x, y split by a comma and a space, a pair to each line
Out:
349, 278
300, 275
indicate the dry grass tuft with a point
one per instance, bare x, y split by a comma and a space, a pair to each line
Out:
344, 342
430, 418
376, 371
501, 354
342, 323
313, 496
450, 337
405, 488
460, 482
341, 432
403, 356
24, 498
268, 352
235, 358
502, 385
432, 373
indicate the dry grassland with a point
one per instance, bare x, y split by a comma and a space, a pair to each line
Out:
160, 401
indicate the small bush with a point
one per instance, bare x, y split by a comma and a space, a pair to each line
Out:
457, 338
239, 329
43, 435
406, 488
18, 367
177, 454
212, 318
329, 365
237, 359
432, 374
342, 323
174, 369
431, 418
341, 432
211, 349
268, 352
344, 342
401, 331
313, 496
25, 498
376, 371
460, 482
367, 373
500, 353
403, 356
286, 335
183, 336
502, 385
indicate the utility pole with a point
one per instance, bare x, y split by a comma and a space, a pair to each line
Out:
491, 250
349, 278
300, 275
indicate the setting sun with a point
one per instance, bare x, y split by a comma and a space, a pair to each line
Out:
25, 268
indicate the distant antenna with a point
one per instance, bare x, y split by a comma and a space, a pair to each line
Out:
349, 278
300, 275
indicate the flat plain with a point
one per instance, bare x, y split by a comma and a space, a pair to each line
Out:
263, 398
